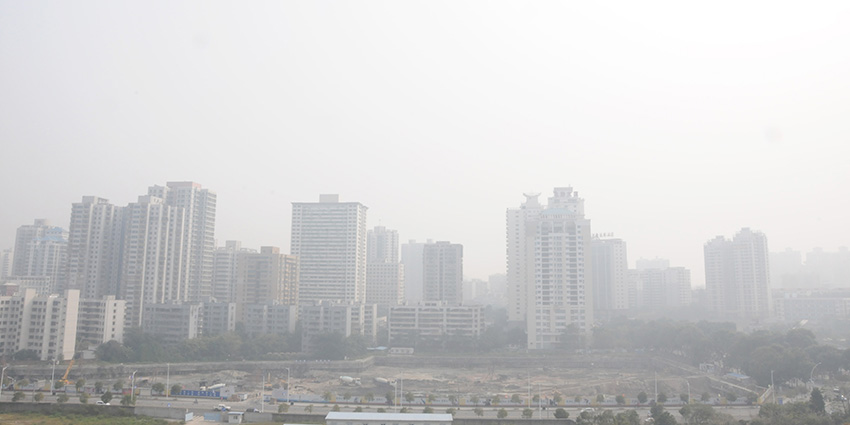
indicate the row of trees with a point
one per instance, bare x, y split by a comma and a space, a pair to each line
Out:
790, 354
139, 346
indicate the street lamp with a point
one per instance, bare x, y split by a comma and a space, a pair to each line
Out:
689, 391
2, 378
52, 377
133, 386
287, 385
812, 374
167, 380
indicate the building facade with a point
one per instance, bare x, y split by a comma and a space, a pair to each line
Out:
345, 319
94, 247
385, 284
329, 239
172, 322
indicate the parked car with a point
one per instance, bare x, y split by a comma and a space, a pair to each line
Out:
102, 403
222, 408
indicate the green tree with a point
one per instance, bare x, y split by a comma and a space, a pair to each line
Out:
428, 409
496, 400
127, 400
642, 397
558, 398
329, 346
23, 382
600, 398
176, 388
577, 399
684, 397
515, 399
535, 398
817, 403
118, 386
106, 397
63, 398
346, 395
84, 398
621, 399
390, 396
451, 411
453, 399
629, 417
98, 387
158, 388
431, 398
478, 411
358, 409
475, 399
404, 409
18, 396
335, 408
282, 408
561, 413
37, 397
705, 397
381, 410
527, 413
662, 397
80, 383
309, 408
409, 397
369, 397
327, 396
731, 397
502, 413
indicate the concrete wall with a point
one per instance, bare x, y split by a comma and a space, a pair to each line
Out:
162, 412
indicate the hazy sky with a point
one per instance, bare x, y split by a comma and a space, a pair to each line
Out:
675, 121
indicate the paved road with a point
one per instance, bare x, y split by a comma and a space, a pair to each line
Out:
207, 405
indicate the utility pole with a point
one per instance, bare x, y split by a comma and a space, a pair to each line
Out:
52, 377
772, 387
167, 379
2, 378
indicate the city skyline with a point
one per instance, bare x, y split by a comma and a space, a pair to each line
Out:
438, 116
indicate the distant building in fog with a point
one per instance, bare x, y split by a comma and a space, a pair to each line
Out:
6, 258
610, 268
382, 245
664, 288
737, 279
550, 277
408, 324
411, 258
818, 306
384, 274
345, 319
442, 277
329, 239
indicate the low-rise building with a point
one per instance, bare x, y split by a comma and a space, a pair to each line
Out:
433, 320
334, 317
172, 322
45, 324
102, 320
270, 318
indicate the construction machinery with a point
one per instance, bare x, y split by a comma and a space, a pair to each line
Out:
64, 380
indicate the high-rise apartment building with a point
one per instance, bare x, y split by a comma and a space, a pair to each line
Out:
41, 252
94, 247
226, 270
198, 205
329, 239
23, 237
737, 276
549, 268
442, 274
610, 280
154, 265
